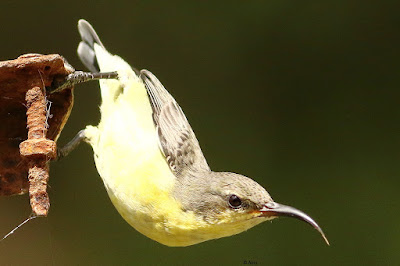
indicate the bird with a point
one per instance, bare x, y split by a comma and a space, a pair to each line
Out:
152, 165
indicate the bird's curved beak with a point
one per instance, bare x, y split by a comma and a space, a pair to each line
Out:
275, 209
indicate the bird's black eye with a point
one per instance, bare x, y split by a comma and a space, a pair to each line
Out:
235, 201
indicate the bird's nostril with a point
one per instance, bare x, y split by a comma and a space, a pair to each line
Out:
271, 205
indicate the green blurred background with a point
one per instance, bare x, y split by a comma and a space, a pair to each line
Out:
302, 96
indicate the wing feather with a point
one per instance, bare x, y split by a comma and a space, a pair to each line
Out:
177, 139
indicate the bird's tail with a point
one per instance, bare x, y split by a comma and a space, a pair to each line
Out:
86, 50
96, 58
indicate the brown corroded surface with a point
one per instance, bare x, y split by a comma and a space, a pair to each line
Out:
40, 146
37, 150
16, 78
39, 199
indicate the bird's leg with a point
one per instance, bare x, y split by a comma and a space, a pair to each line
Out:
77, 77
70, 146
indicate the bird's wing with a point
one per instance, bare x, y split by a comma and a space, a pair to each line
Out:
177, 139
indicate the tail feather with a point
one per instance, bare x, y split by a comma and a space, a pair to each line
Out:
86, 50
88, 57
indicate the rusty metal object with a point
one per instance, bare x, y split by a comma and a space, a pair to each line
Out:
38, 150
32, 72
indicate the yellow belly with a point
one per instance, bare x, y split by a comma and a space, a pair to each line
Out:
129, 160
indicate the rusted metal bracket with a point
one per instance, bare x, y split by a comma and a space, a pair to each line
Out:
36, 98
25, 108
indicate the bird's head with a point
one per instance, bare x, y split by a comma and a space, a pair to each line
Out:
233, 203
